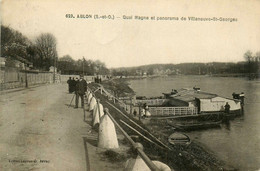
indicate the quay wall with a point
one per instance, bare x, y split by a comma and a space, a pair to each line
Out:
14, 78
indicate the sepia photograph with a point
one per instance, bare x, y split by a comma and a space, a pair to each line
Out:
130, 85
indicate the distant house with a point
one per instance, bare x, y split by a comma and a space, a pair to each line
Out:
16, 62
168, 71
138, 72
19, 64
52, 69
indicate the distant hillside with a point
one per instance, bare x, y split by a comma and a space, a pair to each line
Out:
183, 68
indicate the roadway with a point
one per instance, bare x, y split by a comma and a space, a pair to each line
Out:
39, 132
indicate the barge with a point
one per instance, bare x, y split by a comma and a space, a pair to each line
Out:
188, 102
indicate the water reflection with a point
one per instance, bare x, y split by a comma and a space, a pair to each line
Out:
226, 122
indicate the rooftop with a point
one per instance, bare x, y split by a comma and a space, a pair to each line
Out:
190, 95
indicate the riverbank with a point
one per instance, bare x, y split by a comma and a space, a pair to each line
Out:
118, 87
192, 157
252, 76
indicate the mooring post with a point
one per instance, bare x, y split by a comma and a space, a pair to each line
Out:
107, 137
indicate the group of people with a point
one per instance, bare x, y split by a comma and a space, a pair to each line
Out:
79, 86
144, 111
72, 84
98, 79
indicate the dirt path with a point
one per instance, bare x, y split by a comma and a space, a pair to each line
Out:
39, 132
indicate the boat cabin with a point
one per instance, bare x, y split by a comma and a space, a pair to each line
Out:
205, 102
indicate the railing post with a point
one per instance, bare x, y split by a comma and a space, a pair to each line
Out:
139, 112
131, 106
98, 109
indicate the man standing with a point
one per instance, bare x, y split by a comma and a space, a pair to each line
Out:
242, 97
73, 84
81, 88
227, 108
70, 85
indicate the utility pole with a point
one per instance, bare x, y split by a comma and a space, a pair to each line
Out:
83, 66
54, 69
26, 79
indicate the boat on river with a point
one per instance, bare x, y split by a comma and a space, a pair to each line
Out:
188, 102
178, 138
198, 125
204, 101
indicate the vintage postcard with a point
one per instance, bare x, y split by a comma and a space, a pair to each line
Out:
130, 85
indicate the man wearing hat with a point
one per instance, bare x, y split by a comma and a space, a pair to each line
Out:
81, 88
70, 84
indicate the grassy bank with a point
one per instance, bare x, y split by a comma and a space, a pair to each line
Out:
118, 87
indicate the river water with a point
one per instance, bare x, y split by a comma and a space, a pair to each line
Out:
237, 143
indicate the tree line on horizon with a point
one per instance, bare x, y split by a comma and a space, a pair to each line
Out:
67, 65
249, 67
42, 53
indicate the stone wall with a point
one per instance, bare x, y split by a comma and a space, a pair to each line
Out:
13, 78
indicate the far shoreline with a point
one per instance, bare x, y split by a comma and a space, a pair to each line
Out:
252, 77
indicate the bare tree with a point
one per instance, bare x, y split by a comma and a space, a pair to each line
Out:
253, 64
248, 56
257, 56
46, 49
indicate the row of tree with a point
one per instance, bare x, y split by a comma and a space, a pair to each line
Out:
42, 53
67, 65
253, 62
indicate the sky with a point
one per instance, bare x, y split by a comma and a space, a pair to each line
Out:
133, 42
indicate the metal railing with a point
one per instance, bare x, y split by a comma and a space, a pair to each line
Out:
173, 111
156, 111
136, 146
112, 97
